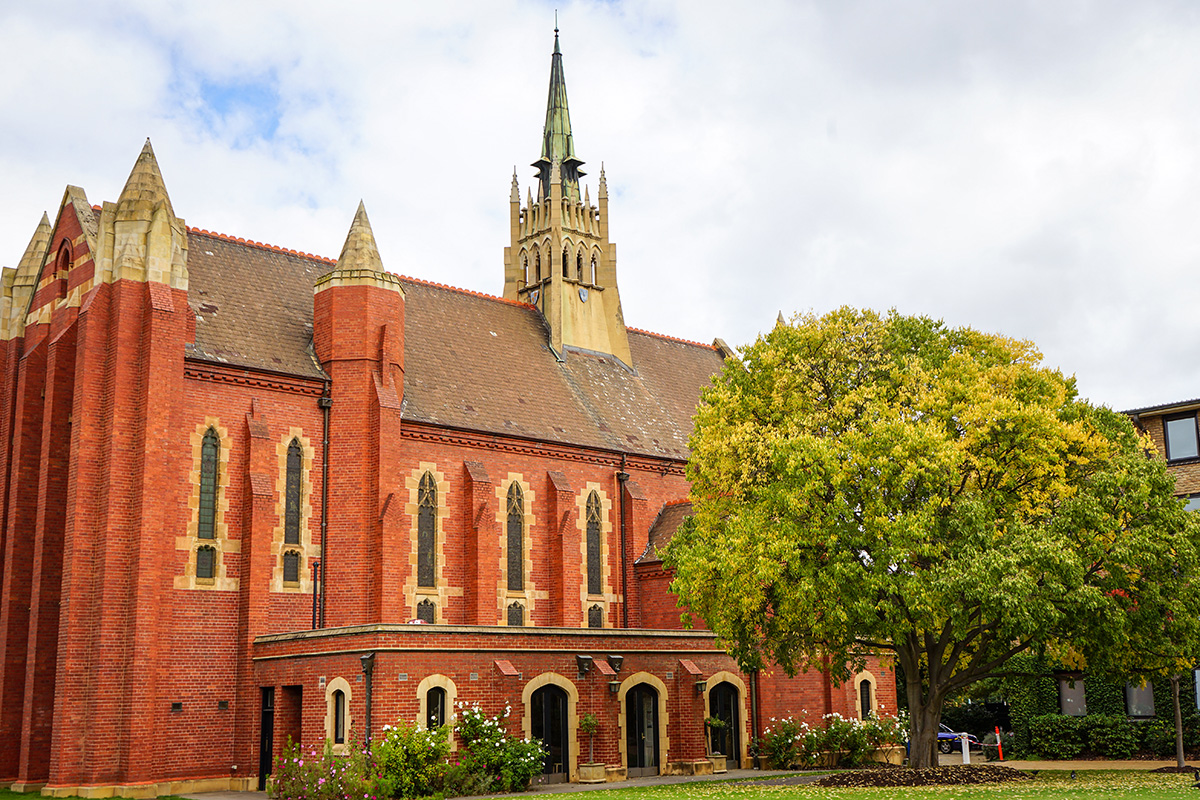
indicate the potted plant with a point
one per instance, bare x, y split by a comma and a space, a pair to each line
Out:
713, 726
590, 772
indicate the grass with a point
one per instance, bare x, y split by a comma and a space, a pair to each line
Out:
1090, 785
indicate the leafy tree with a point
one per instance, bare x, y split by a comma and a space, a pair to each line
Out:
866, 483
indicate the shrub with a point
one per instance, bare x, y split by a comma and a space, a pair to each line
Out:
305, 774
1111, 735
1158, 737
410, 762
1055, 736
490, 751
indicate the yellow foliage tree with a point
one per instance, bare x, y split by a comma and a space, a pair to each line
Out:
881, 483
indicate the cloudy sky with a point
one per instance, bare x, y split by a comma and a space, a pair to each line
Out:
1027, 168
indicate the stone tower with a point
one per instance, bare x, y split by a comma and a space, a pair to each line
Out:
561, 259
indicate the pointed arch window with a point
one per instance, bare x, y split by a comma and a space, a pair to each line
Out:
291, 567
516, 538
206, 562
594, 269
579, 266
566, 263
525, 267
427, 531
594, 580
210, 455
595, 617
427, 611
516, 615
537, 265
291, 509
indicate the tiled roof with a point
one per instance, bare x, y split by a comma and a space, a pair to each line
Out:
471, 361
668, 521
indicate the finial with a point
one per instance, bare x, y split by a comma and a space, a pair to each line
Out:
780, 322
515, 195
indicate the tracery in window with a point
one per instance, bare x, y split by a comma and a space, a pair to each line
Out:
427, 531
210, 452
206, 559
291, 567
291, 511
579, 266
594, 572
593, 269
516, 615
595, 617
516, 539
427, 611
537, 265
566, 269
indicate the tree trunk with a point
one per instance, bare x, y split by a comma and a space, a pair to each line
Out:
924, 720
1179, 759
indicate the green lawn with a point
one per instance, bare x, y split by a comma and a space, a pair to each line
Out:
1090, 785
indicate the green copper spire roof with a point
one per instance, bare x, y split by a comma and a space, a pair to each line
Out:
557, 144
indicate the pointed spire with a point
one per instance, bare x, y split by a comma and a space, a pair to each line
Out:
515, 197
602, 189
35, 252
557, 142
359, 251
780, 322
587, 199
145, 184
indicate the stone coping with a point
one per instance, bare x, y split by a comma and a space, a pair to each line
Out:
484, 630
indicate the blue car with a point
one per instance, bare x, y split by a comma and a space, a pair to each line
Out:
950, 741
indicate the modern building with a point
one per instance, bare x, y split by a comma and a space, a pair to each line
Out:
248, 494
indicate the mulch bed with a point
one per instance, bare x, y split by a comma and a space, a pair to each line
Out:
933, 776
1185, 768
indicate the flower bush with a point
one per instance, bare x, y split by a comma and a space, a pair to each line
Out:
848, 742
490, 751
411, 762
309, 774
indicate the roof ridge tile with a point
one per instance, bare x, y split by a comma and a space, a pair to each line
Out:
671, 338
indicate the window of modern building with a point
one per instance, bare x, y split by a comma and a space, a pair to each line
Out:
594, 572
1139, 700
1191, 502
516, 538
1181, 436
291, 567
1071, 698
210, 453
291, 509
427, 531
435, 708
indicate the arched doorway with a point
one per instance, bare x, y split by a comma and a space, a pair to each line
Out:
548, 723
641, 720
723, 703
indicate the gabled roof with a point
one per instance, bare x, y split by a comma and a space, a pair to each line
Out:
471, 361
668, 521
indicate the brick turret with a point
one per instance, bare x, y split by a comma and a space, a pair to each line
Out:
358, 335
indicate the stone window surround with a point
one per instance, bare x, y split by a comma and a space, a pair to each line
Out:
221, 543
609, 596
330, 687
447, 685
530, 593
548, 679
308, 549
441, 592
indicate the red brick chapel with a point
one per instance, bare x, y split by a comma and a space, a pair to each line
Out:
249, 493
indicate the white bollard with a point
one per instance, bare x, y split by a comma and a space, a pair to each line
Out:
966, 748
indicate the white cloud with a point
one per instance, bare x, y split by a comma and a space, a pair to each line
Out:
1027, 168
